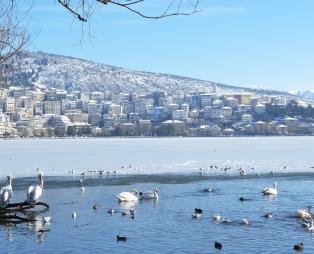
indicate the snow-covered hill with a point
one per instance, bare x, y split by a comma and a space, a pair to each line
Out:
38, 68
308, 94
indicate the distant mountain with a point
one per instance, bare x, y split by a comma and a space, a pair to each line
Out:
43, 69
308, 94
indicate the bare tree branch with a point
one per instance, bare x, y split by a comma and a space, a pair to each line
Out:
82, 13
13, 36
76, 14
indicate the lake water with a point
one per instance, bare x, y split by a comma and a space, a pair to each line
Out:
172, 165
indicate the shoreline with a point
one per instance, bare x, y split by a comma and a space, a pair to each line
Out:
162, 178
154, 137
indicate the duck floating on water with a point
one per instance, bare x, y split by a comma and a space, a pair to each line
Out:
218, 245
197, 213
121, 238
298, 247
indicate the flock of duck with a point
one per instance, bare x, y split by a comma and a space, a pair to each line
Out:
101, 172
34, 192
242, 169
304, 214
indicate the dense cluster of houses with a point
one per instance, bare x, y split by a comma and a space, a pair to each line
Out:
42, 112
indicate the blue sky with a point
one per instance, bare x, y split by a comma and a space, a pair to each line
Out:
256, 43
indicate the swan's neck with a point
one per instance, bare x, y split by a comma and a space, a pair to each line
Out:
9, 183
40, 181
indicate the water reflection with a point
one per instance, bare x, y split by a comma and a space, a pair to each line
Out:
128, 205
38, 225
8, 228
154, 202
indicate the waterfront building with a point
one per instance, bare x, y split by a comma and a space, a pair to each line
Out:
172, 128
60, 124
215, 130
94, 119
292, 124
282, 129
126, 129
144, 128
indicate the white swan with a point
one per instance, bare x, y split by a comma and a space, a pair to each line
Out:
128, 196
271, 190
149, 194
6, 193
35, 192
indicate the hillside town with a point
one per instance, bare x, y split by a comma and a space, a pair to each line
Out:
50, 112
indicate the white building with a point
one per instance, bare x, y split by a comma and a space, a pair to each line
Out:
115, 109
172, 107
206, 100
226, 112
93, 107
185, 106
232, 102
52, 107
246, 118
218, 104
140, 107
97, 96
180, 114
215, 112
260, 108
